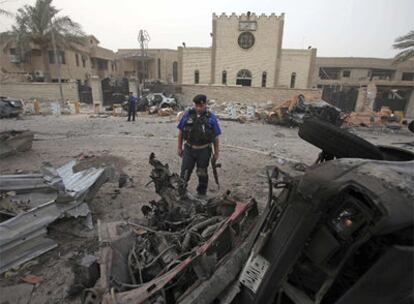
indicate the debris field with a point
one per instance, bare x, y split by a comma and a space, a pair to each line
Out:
134, 205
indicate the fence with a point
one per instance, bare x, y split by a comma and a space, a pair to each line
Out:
39, 90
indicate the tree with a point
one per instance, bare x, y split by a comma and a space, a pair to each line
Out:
406, 44
33, 28
5, 13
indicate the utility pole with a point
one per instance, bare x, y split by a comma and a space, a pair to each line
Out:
57, 62
143, 39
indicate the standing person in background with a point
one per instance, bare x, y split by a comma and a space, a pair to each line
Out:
199, 130
132, 106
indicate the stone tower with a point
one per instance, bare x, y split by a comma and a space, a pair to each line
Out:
246, 49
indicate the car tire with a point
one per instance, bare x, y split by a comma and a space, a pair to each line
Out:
336, 141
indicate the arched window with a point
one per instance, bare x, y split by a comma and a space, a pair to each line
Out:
264, 79
292, 80
159, 68
244, 78
196, 76
175, 71
224, 77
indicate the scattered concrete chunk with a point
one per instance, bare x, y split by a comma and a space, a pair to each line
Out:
14, 141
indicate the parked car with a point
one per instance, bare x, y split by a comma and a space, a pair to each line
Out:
10, 107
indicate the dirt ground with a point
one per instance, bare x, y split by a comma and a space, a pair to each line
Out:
246, 150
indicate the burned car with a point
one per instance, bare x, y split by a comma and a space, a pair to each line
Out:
340, 233
10, 107
157, 101
160, 100
152, 102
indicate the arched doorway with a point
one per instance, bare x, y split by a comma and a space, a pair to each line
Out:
244, 78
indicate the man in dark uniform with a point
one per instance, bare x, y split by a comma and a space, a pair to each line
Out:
132, 106
199, 130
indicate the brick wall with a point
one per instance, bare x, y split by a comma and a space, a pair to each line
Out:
246, 95
39, 90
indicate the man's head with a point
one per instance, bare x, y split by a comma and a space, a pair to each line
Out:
200, 103
130, 93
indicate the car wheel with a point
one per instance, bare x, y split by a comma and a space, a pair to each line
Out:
336, 141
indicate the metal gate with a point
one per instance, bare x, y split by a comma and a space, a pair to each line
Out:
114, 90
85, 93
344, 98
394, 98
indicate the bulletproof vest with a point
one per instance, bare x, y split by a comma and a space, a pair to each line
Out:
196, 130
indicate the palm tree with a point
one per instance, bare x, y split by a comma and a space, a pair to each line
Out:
406, 44
5, 13
34, 26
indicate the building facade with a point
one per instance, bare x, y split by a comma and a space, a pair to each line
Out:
247, 51
78, 63
195, 63
153, 65
343, 80
297, 68
247, 48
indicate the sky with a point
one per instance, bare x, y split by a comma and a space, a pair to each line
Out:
337, 28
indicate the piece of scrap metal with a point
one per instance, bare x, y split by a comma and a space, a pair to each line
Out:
53, 194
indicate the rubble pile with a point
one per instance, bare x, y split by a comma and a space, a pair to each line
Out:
179, 244
384, 118
290, 113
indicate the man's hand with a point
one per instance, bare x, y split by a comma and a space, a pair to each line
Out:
180, 152
216, 156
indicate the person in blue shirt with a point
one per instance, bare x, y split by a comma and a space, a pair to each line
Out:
132, 106
198, 138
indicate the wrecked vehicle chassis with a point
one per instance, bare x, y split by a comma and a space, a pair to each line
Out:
179, 253
341, 233
198, 265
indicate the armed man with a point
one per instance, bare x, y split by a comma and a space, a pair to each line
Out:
199, 132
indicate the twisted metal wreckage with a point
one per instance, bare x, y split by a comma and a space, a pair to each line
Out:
184, 248
30, 202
